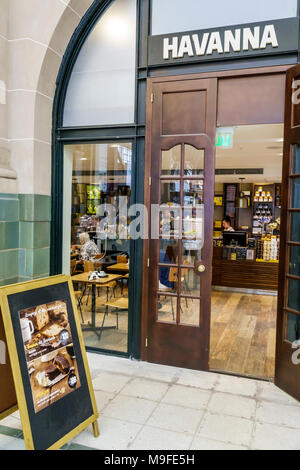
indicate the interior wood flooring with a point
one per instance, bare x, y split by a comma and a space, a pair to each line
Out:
243, 334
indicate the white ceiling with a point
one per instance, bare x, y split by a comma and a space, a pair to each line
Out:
257, 146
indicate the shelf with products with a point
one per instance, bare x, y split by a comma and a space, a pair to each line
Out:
266, 206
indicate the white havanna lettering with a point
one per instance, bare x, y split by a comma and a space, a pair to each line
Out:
2, 353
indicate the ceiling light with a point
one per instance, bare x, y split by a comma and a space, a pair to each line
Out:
83, 159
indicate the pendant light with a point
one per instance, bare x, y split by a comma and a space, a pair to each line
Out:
241, 202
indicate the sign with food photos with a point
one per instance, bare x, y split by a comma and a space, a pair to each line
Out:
48, 360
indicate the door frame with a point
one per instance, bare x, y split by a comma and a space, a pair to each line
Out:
149, 116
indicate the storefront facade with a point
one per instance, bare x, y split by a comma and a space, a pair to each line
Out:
139, 79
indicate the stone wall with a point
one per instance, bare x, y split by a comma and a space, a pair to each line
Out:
34, 35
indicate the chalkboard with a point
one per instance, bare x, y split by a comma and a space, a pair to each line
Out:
49, 364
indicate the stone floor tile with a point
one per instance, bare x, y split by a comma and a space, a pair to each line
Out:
103, 399
269, 392
11, 443
270, 437
233, 405
176, 418
143, 388
160, 439
110, 382
227, 429
236, 385
201, 443
134, 410
276, 413
157, 372
114, 435
187, 396
204, 380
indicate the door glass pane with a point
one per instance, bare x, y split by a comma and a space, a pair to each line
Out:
167, 281
170, 222
171, 161
190, 283
193, 161
293, 327
191, 251
189, 311
295, 230
98, 189
166, 309
168, 253
294, 295
193, 192
295, 260
101, 89
296, 194
170, 192
297, 160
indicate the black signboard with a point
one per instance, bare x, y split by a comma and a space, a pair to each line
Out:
49, 364
230, 42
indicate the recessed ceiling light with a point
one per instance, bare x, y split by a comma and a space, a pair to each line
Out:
83, 159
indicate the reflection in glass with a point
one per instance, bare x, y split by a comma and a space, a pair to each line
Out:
166, 309
193, 192
297, 160
293, 327
193, 161
294, 295
100, 174
295, 260
170, 222
189, 311
168, 251
190, 282
171, 161
296, 194
191, 251
170, 192
295, 230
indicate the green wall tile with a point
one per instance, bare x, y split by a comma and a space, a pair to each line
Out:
34, 263
9, 264
9, 208
35, 208
9, 235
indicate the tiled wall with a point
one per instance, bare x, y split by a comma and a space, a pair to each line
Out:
24, 237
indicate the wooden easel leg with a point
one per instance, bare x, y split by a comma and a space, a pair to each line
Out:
96, 429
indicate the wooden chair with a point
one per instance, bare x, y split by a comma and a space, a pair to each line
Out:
122, 259
117, 306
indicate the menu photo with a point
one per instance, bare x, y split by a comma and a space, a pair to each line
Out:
49, 351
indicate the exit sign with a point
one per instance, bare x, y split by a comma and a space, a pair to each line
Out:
224, 138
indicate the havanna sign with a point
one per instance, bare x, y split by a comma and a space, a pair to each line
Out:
265, 38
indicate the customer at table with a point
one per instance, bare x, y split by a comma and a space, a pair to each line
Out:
89, 248
166, 257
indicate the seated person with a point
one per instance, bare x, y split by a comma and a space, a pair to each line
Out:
89, 248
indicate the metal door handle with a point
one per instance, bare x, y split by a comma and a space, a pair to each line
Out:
201, 268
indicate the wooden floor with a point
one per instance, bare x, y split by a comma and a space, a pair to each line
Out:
243, 334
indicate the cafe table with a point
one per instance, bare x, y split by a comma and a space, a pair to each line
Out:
102, 282
118, 268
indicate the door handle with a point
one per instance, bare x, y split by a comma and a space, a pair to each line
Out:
201, 268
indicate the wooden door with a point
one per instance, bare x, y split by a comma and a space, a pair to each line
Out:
287, 375
181, 143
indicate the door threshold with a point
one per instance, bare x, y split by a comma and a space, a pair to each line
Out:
243, 376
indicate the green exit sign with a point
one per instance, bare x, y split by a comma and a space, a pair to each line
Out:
224, 138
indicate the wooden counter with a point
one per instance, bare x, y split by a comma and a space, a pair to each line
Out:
243, 273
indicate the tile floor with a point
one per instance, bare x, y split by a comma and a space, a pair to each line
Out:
146, 406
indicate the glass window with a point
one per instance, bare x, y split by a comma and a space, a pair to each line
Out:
96, 239
172, 16
101, 90
293, 327
294, 295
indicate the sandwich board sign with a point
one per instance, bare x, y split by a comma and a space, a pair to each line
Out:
48, 374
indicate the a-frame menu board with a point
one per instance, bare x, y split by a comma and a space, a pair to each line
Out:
45, 350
